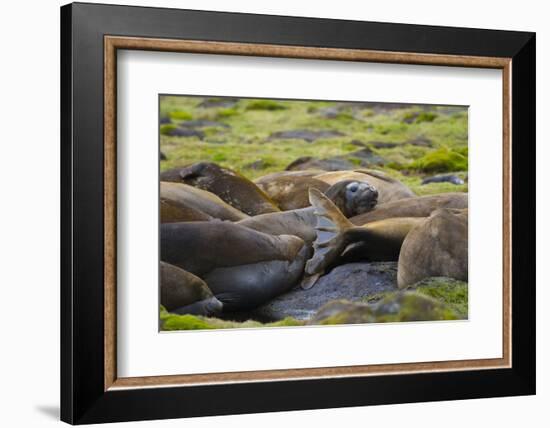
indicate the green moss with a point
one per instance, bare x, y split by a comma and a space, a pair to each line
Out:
219, 157
184, 322
425, 116
440, 160
450, 291
180, 115
167, 128
172, 322
227, 112
267, 105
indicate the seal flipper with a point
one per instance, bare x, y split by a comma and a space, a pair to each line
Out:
331, 235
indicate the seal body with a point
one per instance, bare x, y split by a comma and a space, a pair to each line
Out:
436, 247
349, 196
421, 206
241, 266
181, 202
291, 192
184, 293
230, 186
389, 189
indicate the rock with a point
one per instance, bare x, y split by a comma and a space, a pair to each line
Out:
357, 143
308, 136
383, 144
329, 112
360, 158
162, 156
308, 162
182, 132
396, 307
165, 120
218, 103
201, 123
352, 281
447, 178
367, 156
420, 142
258, 165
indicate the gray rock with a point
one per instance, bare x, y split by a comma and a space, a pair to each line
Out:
201, 123
165, 120
218, 103
308, 136
420, 142
183, 132
352, 281
447, 178
360, 158
383, 144
308, 162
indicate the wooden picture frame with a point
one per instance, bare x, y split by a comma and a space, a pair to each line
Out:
91, 390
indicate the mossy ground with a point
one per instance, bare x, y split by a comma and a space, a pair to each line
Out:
449, 291
251, 122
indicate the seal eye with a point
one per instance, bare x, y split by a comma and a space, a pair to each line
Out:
353, 187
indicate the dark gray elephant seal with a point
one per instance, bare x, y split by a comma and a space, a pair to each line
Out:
243, 268
436, 247
181, 202
421, 206
182, 292
230, 186
351, 198
389, 188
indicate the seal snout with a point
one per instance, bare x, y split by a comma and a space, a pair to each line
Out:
362, 195
213, 306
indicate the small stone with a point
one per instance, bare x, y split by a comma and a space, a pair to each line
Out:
182, 132
447, 178
218, 102
308, 136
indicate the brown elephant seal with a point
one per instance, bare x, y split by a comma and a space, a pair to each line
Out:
181, 202
243, 268
389, 189
291, 192
182, 292
421, 206
436, 247
276, 175
230, 186
351, 197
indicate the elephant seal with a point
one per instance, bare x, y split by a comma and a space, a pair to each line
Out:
264, 179
421, 206
243, 268
436, 247
351, 197
230, 186
181, 202
389, 189
337, 236
171, 212
291, 192
182, 292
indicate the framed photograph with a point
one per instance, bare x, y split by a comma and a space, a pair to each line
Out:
267, 213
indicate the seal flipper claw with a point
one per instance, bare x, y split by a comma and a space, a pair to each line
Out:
330, 229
